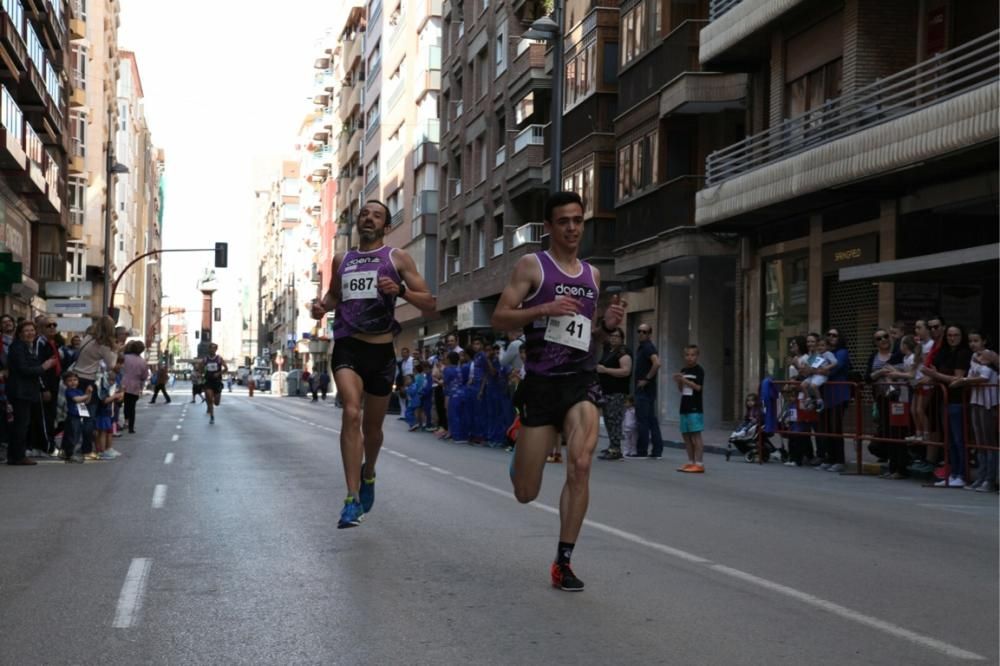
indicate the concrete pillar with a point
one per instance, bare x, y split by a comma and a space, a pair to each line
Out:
815, 273
887, 252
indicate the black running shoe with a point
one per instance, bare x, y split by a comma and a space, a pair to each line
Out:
563, 578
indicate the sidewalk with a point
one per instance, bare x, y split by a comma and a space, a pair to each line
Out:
717, 440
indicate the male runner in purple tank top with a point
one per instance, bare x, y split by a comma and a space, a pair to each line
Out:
553, 295
363, 290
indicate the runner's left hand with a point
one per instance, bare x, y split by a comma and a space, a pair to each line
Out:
388, 286
615, 313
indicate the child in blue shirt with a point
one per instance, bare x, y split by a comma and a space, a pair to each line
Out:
76, 412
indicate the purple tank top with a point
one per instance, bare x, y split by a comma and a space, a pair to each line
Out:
561, 345
362, 308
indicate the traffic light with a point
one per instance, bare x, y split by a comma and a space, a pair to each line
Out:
10, 272
221, 255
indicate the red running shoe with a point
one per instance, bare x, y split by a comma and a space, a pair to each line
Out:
563, 578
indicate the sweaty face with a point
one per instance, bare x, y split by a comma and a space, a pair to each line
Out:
371, 222
566, 226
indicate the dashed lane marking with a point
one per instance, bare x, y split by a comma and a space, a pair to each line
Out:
167, 459
132, 593
159, 495
174, 438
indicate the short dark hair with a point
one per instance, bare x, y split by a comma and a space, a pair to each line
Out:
691, 347
453, 358
388, 213
928, 320
69, 373
557, 199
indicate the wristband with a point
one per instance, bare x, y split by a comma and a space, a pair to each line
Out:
402, 290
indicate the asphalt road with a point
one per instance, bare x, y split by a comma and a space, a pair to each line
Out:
218, 545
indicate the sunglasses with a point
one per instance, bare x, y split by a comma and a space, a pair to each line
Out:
833, 335
934, 327
51, 325
644, 332
880, 338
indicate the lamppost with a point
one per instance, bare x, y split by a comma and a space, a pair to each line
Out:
112, 168
550, 30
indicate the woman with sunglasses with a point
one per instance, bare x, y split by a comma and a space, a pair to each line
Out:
886, 390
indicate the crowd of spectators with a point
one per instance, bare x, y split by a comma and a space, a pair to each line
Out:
931, 395
62, 396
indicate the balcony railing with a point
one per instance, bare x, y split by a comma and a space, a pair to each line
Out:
49, 266
79, 8
497, 246
425, 203
51, 172
15, 10
717, 8
501, 156
11, 116
643, 217
427, 130
532, 135
941, 77
527, 233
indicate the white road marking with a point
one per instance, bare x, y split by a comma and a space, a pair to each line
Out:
159, 496
167, 459
133, 590
174, 438
440, 471
803, 597
178, 427
180, 420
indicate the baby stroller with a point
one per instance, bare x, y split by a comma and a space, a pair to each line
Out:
744, 439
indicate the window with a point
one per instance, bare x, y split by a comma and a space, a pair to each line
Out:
77, 199
637, 165
76, 255
786, 309
581, 74
633, 36
78, 126
501, 50
371, 171
480, 244
813, 89
524, 109
581, 181
480, 73
480, 151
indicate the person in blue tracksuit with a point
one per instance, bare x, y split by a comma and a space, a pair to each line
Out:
453, 393
410, 390
427, 395
477, 376
492, 389
465, 366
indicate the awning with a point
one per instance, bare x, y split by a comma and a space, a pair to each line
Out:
951, 265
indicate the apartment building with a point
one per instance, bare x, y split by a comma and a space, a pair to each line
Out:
93, 117
671, 113
863, 189
34, 92
495, 103
136, 228
349, 73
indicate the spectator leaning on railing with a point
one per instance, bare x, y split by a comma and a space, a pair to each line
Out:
952, 362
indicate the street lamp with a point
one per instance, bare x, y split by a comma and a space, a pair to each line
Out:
550, 30
113, 168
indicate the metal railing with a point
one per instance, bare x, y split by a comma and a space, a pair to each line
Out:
527, 233
717, 8
11, 116
79, 9
15, 10
51, 172
941, 77
532, 135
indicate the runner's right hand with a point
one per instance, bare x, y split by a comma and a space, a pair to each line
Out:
316, 309
561, 307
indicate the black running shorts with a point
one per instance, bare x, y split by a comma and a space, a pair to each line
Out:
374, 363
544, 401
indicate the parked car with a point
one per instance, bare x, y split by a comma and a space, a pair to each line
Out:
262, 381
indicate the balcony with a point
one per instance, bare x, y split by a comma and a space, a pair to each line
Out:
425, 211
645, 215
532, 135
527, 70
738, 27
320, 130
943, 105
50, 266
350, 53
424, 152
324, 81
371, 187
290, 213
527, 233
675, 54
425, 9
322, 98
427, 73
350, 100
11, 133
11, 37
52, 183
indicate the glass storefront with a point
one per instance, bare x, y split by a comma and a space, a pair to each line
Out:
786, 309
